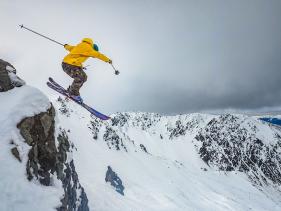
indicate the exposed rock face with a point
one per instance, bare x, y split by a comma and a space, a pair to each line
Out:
225, 142
16, 153
114, 136
113, 132
184, 126
114, 180
8, 77
75, 197
113, 140
63, 109
45, 160
38, 132
143, 121
231, 143
5, 81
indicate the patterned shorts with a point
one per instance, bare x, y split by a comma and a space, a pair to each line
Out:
79, 76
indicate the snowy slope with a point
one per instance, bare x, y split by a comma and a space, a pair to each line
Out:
17, 193
163, 163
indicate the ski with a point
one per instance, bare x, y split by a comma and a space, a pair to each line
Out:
58, 88
55, 83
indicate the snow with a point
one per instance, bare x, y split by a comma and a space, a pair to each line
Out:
17, 193
170, 176
16, 81
10, 68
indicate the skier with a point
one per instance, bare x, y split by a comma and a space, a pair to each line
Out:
72, 64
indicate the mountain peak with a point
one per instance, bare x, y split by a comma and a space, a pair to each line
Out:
180, 159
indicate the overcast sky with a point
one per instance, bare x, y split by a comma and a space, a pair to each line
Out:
175, 56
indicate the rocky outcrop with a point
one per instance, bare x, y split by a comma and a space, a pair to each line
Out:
64, 110
46, 161
8, 77
143, 121
38, 132
225, 142
48, 158
113, 140
114, 180
232, 143
75, 197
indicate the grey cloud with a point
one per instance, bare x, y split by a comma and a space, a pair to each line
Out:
174, 56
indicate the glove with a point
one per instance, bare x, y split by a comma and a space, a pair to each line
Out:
110, 61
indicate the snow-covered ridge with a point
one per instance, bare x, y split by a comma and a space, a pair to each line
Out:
235, 142
16, 105
115, 131
183, 162
37, 171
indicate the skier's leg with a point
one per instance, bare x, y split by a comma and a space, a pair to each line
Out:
80, 78
78, 75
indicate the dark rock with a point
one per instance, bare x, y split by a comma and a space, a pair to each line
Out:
45, 160
8, 77
143, 148
38, 131
112, 139
230, 143
182, 127
114, 180
67, 173
16, 153
120, 119
143, 120
63, 108
95, 127
178, 130
5, 81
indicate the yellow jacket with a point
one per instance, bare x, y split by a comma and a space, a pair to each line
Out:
81, 52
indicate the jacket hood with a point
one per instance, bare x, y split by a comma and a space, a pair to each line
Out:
88, 40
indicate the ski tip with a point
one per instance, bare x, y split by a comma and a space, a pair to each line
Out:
104, 118
107, 117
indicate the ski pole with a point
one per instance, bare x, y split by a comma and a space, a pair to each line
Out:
116, 71
22, 26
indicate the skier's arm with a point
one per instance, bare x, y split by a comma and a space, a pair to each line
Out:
68, 47
96, 54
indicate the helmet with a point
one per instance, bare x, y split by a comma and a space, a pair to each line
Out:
95, 47
88, 40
